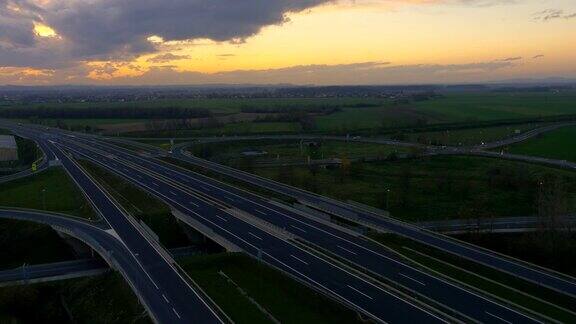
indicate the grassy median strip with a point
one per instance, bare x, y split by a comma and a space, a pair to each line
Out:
142, 205
502, 285
51, 190
287, 300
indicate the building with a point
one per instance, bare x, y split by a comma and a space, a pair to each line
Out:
8, 148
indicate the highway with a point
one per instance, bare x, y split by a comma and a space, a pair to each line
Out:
175, 300
117, 254
518, 268
349, 288
347, 246
364, 253
494, 225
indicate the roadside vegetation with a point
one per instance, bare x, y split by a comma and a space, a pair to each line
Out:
443, 187
557, 144
15, 238
142, 205
51, 190
105, 299
281, 152
285, 299
506, 287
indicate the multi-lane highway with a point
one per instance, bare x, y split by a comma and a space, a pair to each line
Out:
520, 269
211, 203
131, 265
347, 246
167, 293
344, 285
344, 245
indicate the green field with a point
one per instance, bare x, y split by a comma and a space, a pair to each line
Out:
287, 300
558, 144
452, 108
51, 190
217, 106
432, 188
494, 106
15, 238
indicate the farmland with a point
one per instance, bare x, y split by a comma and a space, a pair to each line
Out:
558, 144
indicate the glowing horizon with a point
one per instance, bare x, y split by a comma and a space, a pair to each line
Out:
466, 42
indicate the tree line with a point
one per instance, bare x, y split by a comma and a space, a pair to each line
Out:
124, 113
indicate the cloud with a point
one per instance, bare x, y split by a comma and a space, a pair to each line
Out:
163, 58
552, 14
357, 73
120, 29
511, 59
539, 56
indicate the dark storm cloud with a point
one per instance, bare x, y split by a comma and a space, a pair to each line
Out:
118, 29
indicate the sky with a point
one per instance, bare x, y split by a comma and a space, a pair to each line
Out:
321, 42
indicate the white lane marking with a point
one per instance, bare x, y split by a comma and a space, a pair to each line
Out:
358, 291
410, 278
175, 312
256, 236
172, 193
204, 188
166, 299
345, 249
297, 258
222, 218
154, 184
298, 228
194, 204
260, 212
498, 317
231, 199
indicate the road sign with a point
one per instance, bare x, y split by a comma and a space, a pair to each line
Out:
34, 167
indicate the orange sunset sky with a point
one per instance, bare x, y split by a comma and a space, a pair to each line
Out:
275, 41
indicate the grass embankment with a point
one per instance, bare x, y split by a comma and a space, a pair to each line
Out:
287, 300
558, 144
431, 188
30, 243
507, 287
103, 299
51, 190
142, 205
